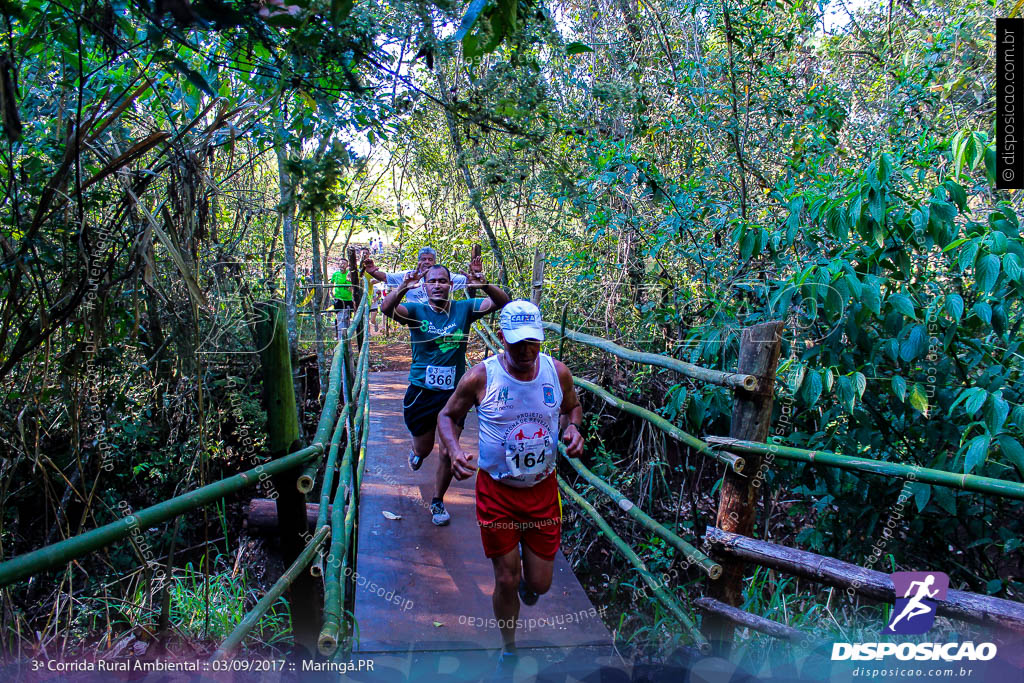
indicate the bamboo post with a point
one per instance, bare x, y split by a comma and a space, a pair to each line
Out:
538, 277
737, 502
978, 609
250, 620
730, 460
692, 555
725, 379
474, 253
357, 290
282, 438
657, 587
965, 482
58, 554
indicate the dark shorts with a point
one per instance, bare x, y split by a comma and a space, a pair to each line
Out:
509, 515
340, 304
421, 407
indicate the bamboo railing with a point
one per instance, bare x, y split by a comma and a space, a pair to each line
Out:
737, 548
331, 424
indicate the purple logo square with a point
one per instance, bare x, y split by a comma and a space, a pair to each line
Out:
917, 594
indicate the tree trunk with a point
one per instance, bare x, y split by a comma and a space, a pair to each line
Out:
317, 282
467, 176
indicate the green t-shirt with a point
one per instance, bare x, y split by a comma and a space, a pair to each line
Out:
342, 286
439, 343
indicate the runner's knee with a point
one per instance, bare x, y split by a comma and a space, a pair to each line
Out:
539, 586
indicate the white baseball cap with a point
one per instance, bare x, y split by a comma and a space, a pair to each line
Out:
521, 320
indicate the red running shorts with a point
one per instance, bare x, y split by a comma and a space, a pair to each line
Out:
507, 515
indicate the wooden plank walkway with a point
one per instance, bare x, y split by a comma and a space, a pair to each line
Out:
423, 599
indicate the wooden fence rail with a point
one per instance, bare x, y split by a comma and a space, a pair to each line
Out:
971, 607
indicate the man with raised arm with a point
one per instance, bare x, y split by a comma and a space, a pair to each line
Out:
417, 292
525, 403
438, 330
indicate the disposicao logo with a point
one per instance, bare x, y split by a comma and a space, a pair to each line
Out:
915, 611
917, 596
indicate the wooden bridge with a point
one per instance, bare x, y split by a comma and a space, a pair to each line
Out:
414, 599
430, 610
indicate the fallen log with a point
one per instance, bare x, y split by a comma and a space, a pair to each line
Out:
752, 621
261, 515
971, 607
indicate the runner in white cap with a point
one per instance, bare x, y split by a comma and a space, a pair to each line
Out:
525, 402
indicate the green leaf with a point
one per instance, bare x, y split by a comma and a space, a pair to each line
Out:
987, 272
899, 386
954, 306
1017, 415
193, 77
1013, 451
998, 410
945, 499
812, 387
884, 168
976, 401
855, 285
577, 48
1011, 266
872, 297
914, 343
957, 194
860, 382
941, 213
846, 393
994, 586
967, 255
983, 311
922, 493
919, 399
797, 378
876, 206
903, 304
997, 242
977, 451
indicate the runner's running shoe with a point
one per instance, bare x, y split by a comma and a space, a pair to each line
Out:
439, 515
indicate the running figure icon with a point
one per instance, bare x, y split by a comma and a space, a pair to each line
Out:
916, 595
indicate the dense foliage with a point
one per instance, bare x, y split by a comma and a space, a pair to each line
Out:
689, 168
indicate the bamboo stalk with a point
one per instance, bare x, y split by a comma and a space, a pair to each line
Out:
752, 621
329, 412
489, 338
730, 460
980, 609
307, 479
964, 482
351, 524
328, 640
327, 643
276, 591
725, 379
659, 592
692, 555
69, 549
332, 458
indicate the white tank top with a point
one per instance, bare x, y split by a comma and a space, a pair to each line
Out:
519, 424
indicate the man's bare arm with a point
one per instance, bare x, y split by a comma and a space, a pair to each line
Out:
391, 306
467, 394
571, 416
373, 271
